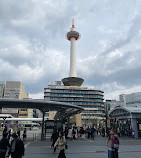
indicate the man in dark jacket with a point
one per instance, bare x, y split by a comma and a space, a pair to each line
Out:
17, 147
4, 143
92, 132
54, 137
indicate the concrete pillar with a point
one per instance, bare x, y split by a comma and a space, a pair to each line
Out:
42, 132
134, 128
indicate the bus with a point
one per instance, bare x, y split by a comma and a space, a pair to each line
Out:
30, 126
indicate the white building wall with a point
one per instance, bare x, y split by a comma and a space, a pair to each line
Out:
131, 100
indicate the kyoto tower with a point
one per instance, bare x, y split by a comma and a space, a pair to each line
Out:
72, 80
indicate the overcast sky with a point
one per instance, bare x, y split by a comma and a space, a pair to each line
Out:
34, 50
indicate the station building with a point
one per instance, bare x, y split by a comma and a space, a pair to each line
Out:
128, 119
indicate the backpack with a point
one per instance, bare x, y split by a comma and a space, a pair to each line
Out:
115, 142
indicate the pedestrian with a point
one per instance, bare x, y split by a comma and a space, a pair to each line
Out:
24, 134
89, 132
54, 137
9, 134
66, 132
103, 131
118, 131
70, 134
92, 132
5, 129
114, 143
108, 136
76, 132
17, 147
73, 133
4, 145
61, 142
19, 133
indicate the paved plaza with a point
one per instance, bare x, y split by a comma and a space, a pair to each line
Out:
84, 148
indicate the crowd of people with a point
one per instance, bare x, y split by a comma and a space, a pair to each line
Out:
11, 144
59, 137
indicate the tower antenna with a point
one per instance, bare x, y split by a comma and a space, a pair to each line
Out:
72, 23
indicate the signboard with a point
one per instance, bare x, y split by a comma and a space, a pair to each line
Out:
108, 123
50, 124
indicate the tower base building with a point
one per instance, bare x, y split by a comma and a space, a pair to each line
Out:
90, 99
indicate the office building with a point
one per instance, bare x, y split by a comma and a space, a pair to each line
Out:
131, 100
15, 89
111, 104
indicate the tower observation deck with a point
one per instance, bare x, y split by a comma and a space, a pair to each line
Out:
72, 80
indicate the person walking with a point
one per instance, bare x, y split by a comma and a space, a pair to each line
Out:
92, 132
89, 132
70, 134
66, 132
19, 133
54, 137
118, 131
4, 145
17, 147
73, 133
5, 130
9, 134
61, 142
108, 136
24, 134
114, 143
103, 131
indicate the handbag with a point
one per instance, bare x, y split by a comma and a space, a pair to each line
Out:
116, 146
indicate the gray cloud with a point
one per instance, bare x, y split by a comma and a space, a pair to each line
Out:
33, 47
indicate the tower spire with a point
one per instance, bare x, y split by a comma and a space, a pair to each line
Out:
72, 23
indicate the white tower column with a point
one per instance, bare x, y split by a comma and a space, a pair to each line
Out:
72, 58
72, 80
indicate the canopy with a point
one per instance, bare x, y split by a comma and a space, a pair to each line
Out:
63, 109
